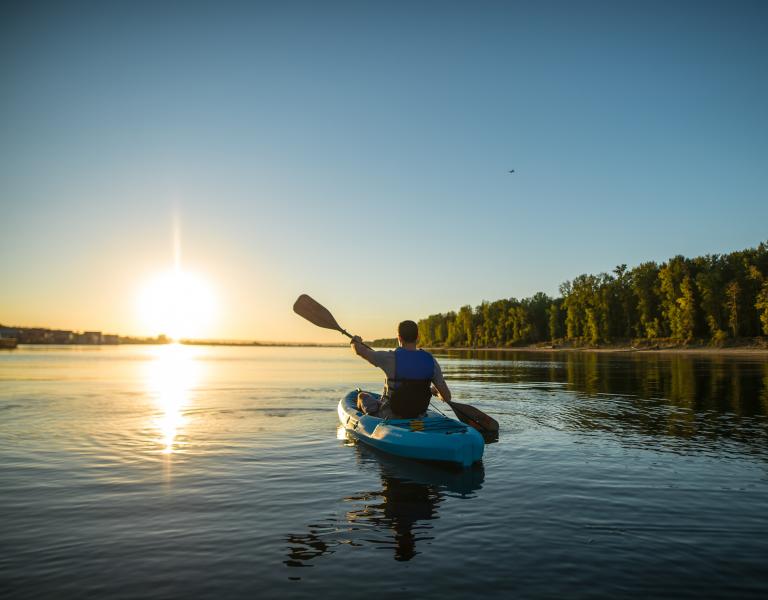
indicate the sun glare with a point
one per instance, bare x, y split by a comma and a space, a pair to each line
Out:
172, 374
178, 304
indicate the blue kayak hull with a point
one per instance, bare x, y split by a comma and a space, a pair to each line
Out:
432, 437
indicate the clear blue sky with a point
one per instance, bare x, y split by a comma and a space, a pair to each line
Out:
359, 152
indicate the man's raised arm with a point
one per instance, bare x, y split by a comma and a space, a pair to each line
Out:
363, 350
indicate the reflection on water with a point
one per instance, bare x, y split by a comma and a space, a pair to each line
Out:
608, 468
170, 376
716, 382
690, 397
395, 517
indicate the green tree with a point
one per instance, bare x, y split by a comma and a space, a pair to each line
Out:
519, 324
677, 298
624, 312
587, 308
536, 312
682, 298
465, 326
709, 284
574, 311
761, 304
456, 335
645, 284
592, 327
732, 302
687, 312
760, 282
555, 319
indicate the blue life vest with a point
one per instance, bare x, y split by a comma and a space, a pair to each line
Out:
413, 364
409, 390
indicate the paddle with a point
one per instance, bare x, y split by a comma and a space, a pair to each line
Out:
475, 417
316, 313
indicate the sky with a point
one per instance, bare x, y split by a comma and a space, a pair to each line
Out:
359, 152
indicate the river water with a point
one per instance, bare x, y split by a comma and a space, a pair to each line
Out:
170, 471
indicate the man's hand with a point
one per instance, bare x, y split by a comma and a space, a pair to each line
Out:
358, 347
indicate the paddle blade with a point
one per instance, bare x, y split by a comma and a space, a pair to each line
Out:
475, 417
314, 312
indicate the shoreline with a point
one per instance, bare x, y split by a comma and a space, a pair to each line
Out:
703, 350
706, 350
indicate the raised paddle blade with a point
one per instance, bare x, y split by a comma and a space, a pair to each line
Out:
316, 313
476, 418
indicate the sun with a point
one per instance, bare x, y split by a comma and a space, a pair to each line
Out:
178, 304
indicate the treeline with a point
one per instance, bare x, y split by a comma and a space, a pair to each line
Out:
383, 343
710, 298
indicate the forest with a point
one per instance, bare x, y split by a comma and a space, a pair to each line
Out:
713, 299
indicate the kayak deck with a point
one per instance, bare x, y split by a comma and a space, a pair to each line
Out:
430, 437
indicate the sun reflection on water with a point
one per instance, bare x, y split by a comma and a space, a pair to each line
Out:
172, 374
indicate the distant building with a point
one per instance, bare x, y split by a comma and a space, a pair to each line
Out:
33, 335
42, 335
90, 337
9, 332
61, 336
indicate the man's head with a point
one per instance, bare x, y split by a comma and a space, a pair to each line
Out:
408, 332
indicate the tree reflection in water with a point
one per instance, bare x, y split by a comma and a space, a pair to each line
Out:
671, 399
396, 517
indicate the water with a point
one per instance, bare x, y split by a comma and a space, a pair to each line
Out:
160, 472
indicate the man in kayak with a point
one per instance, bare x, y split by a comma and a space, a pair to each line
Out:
413, 377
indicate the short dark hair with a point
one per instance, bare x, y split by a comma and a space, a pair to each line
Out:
408, 331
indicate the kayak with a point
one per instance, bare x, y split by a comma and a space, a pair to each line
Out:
431, 437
